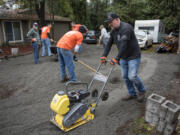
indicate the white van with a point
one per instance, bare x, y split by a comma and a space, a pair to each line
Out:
154, 27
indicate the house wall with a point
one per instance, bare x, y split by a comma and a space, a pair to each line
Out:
25, 29
60, 28
1, 34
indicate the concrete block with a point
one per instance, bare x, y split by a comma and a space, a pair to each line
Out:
153, 103
161, 125
170, 128
148, 117
152, 106
172, 111
155, 119
163, 111
14, 51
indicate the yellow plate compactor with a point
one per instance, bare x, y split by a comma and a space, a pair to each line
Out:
71, 107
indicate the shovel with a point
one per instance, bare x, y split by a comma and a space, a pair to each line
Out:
89, 67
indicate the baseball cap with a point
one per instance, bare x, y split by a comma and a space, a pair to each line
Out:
35, 24
111, 16
83, 29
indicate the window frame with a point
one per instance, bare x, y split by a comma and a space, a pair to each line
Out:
21, 32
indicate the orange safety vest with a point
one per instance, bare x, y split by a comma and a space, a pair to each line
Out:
44, 31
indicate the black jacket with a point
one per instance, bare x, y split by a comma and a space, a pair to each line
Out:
125, 39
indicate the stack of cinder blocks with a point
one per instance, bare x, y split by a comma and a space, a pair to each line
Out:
162, 113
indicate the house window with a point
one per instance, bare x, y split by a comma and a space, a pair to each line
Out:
13, 31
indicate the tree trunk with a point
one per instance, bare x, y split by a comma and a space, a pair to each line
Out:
52, 18
30, 4
178, 51
40, 10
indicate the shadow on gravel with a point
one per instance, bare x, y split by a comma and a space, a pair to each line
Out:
115, 80
7, 91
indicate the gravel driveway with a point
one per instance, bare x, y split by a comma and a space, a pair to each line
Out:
26, 91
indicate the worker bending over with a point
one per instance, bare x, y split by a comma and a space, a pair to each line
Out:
66, 43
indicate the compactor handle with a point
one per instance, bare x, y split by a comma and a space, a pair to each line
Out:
70, 83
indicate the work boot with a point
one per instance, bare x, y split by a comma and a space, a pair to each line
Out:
65, 80
128, 97
141, 97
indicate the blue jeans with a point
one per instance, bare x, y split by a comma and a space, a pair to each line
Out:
80, 49
66, 60
46, 44
129, 70
36, 52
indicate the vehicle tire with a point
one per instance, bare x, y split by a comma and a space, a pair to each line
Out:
151, 43
146, 46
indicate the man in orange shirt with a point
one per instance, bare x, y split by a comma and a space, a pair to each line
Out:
45, 38
67, 42
75, 26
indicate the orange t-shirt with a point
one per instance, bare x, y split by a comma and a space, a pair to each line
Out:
76, 27
70, 39
44, 31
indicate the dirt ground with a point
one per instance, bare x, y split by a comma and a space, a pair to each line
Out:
26, 91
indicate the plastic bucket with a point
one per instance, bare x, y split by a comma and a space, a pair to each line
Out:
14, 51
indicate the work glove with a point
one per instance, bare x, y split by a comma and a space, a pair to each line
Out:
75, 58
103, 59
114, 61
